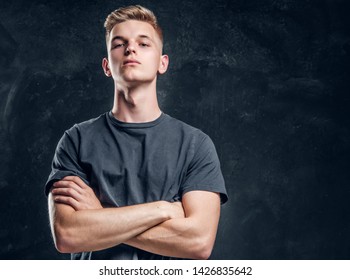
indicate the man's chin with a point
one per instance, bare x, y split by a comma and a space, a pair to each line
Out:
134, 80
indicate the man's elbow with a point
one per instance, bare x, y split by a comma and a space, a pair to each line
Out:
64, 240
202, 255
203, 249
63, 246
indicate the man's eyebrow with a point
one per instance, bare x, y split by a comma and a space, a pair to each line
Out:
118, 37
146, 37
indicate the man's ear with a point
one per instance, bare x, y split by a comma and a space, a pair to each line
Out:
163, 65
105, 67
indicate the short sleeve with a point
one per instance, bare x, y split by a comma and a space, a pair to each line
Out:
204, 172
66, 160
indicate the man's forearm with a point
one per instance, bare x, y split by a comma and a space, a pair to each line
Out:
190, 237
91, 230
181, 238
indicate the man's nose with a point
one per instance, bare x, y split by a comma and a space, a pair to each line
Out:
130, 48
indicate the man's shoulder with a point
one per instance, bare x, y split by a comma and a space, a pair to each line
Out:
177, 123
186, 128
90, 125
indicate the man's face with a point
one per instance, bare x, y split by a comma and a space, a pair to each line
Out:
134, 53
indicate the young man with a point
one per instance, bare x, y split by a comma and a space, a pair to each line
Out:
135, 183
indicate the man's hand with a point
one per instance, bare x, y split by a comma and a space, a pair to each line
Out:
71, 190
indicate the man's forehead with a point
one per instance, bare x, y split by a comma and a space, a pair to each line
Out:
133, 28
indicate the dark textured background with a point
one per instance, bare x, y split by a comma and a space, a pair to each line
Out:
267, 80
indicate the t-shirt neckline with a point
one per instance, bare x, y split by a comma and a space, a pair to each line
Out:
135, 125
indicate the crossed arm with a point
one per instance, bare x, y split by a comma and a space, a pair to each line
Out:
185, 230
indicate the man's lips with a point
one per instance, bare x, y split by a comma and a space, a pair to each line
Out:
131, 62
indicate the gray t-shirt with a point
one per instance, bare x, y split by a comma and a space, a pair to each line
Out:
134, 163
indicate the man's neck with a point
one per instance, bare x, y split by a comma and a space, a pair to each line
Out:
137, 104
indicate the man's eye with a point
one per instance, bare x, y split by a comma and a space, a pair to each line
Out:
144, 45
117, 46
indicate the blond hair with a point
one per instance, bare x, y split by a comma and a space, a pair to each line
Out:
136, 12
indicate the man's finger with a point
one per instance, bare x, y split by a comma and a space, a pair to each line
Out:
76, 180
68, 185
66, 200
67, 192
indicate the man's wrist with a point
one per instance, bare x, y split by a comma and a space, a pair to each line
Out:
164, 209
